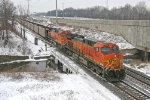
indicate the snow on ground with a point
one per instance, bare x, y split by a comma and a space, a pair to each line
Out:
30, 38
17, 46
51, 86
142, 67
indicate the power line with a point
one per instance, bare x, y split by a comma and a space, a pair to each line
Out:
44, 4
56, 13
36, 2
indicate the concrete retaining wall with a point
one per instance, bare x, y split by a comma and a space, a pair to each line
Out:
6, 58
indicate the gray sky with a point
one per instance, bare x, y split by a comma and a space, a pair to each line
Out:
46, 5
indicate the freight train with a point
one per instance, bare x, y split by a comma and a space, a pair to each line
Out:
102, 57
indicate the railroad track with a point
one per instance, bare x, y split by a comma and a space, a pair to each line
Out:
139, 78
131, 91
138, 75
128, 90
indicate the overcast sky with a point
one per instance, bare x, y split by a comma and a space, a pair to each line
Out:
47, 5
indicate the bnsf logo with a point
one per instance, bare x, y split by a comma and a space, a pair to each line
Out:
113, 61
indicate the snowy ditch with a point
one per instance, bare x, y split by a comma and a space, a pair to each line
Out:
25, 65
55, 61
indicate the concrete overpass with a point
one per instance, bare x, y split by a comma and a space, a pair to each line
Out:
136, 32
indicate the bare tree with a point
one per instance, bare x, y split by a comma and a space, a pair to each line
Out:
23, 15
7, 10
128, 11
141, 9
22, 12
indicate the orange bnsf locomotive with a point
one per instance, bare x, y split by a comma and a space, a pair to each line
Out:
103, 58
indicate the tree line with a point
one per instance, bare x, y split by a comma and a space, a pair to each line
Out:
128, 12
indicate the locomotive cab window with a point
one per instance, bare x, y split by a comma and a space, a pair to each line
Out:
115, 49
96, 49
106, 51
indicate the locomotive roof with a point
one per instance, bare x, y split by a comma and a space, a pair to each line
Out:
96, 40
72, 36
55, 29
93, 40
79, 39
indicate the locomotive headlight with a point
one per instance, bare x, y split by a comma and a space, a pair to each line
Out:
101, 64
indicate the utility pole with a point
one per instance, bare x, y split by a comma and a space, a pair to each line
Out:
56, 13
28, 7
107, 4
5, 18
107, 9
63, 10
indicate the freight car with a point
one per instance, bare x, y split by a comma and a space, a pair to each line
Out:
103, 58
35, 27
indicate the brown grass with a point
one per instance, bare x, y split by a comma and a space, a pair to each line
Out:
62, 24
13, 75
135, 62
138, 63
17, 76
48, 76
42, 76
141, 66
27, 69
132, 64
24, 69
